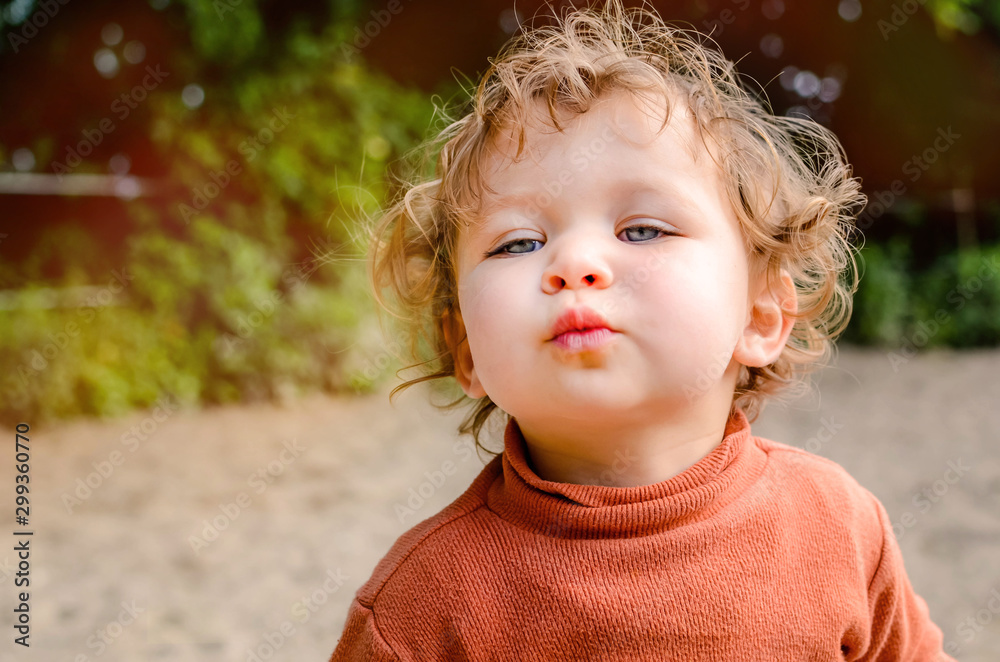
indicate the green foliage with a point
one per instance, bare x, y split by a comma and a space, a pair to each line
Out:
224, 31
963, 290
881, 305
955, 302
248, 282
65, 250
967, 16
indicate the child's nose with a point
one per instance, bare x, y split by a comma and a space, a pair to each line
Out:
577, 265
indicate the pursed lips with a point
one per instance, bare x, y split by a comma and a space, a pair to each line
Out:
581, 328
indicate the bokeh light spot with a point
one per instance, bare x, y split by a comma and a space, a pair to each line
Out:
193, 96
772, 45
111, 34
849, 10
23, 159
510, 21
120, 164
18, 11
378, 147
135, 52
806, 84
773, 9
127, 188
829, 90
106, 63
787, 78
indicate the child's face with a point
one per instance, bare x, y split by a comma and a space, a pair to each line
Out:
606, 215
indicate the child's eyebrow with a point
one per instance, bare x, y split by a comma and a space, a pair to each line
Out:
497, 203
662, 189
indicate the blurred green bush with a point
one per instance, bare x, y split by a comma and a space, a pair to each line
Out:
954, 302
246, 282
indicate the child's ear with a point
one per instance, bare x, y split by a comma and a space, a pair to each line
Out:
769, 323
458, 344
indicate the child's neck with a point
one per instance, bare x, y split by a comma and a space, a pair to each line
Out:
614, 454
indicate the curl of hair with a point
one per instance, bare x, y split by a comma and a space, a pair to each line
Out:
787, 178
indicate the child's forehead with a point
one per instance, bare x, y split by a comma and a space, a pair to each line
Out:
618, 119
633, 116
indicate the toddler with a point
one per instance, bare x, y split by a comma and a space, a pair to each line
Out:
622, 255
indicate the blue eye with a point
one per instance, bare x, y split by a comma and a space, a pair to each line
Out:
652, 231
503, 247
648, 232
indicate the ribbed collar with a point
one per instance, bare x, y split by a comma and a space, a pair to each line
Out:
567, 510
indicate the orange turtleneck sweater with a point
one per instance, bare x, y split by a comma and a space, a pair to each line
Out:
759, 551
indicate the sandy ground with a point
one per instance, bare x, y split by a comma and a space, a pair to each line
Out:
118, 574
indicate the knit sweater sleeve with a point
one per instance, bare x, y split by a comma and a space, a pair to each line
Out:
362, 640
901, 627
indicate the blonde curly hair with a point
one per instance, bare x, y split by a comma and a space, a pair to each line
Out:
787, 178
